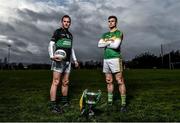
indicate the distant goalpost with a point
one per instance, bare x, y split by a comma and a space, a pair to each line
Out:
167, 49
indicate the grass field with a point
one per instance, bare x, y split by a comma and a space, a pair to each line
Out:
152, 95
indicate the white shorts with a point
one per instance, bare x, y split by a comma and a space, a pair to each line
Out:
112, 65
61, 67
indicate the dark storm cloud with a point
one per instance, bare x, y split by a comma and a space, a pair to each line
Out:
146, 25
30, 38
46, 16
152, 26
6, 27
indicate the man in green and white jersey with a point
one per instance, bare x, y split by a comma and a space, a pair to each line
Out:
112, 63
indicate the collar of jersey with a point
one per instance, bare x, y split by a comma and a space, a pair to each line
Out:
113, 30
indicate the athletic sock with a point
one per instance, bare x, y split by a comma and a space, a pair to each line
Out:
52, 104
123, 100
64, 99
110, 97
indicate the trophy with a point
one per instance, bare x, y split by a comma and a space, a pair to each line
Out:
88, 102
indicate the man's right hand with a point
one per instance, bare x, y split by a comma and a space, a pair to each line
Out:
110, 40
56, 58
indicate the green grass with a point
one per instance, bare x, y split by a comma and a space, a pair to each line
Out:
152, 95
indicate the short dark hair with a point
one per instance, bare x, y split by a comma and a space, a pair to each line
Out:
112, 16
66, 16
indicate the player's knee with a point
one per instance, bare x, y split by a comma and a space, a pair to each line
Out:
55, 81
65, 83
120, 80
108, 80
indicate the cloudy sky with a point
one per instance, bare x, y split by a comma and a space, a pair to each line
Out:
28, 26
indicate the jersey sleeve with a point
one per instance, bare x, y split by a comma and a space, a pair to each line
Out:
103, 36
52, 43
73, 55
54, 38
117, 40
119, 35
51, 49
102, 43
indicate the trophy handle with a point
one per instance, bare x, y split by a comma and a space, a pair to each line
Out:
81, 101
99, 95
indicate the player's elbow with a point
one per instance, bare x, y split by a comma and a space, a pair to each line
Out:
114, 46
100, 45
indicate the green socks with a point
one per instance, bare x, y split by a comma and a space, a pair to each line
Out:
123, 100
110, 98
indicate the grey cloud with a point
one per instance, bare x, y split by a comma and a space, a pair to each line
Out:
46, 16
6, 28
145, 23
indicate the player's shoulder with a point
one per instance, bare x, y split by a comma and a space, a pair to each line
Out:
118, 32
106, 33
57, 30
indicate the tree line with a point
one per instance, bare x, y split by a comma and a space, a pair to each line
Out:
145, 60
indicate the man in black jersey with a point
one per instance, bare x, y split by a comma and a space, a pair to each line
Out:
61, 39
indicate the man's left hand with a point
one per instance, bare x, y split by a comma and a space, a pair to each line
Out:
76, 64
